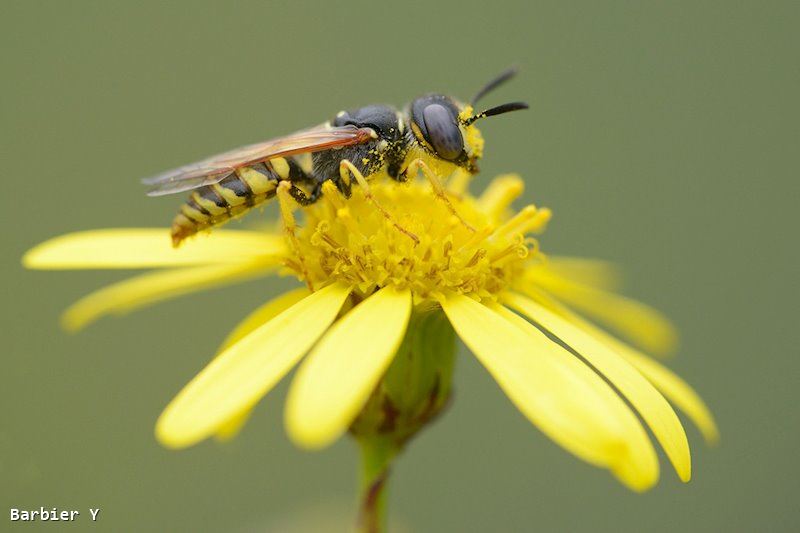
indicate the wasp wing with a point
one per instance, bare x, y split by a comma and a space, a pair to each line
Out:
218, 167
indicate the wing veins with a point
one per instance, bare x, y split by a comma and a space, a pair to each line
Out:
216, 168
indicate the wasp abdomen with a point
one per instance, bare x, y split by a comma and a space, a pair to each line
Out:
231, 197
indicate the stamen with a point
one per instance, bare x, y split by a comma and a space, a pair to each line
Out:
527, 217
480, 253
438, 189
352, 170
446, 255
337, 201
342, 257
505, 252
291, 264
539, 222
286, 208
532, 245
330, 240
326, 269
352, 241
332, 195
360, 262
477, 237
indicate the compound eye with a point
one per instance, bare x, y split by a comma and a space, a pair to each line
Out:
443, 132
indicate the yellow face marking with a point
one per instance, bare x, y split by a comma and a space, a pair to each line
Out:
473, 140
280, 166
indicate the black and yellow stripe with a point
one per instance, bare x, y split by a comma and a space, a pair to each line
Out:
231, 197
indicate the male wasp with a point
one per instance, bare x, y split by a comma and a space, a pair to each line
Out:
435, 134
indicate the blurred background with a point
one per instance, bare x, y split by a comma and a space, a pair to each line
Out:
664, 136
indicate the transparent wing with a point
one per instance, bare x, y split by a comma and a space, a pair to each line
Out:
216, 168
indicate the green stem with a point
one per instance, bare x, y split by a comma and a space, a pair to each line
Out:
376, 457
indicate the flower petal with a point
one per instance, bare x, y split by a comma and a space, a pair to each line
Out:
246, 371
146, 289
556, 391
643, 325
262, 314
592, 272
231, 428
337, 377
150, 247
674, 389
651, 405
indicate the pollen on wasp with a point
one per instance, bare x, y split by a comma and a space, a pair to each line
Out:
349, 240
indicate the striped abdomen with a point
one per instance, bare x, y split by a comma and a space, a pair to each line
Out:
215, 204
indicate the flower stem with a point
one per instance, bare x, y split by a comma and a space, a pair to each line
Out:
376, 457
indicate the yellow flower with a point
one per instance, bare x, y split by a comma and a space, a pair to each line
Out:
504, 298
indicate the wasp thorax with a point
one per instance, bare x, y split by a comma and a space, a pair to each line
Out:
352, 241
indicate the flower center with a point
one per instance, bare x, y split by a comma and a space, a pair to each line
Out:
354, 242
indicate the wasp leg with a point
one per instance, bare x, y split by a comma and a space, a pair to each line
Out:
343, 183
299, 194
438, 189
286, 192
346, 168
316, 192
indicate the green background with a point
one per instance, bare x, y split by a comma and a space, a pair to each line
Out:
664, 135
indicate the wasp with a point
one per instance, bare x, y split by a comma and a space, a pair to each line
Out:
435, 134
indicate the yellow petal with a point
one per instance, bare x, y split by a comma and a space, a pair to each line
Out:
651, 405
150, 247
638, 466
557, 392
592, 272
643, 325
152, 287
231, 428
672, 387
262, 314
337, 377
675, 389
246, 371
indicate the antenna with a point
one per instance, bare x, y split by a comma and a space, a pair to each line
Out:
495, 83
498, 110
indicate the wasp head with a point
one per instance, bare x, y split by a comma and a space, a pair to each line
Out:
446, 128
